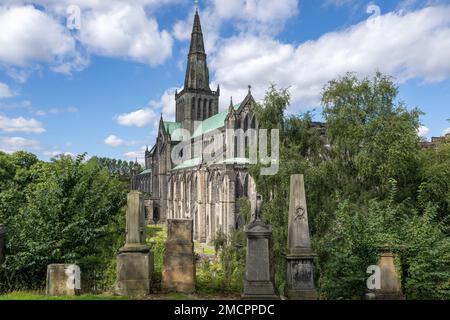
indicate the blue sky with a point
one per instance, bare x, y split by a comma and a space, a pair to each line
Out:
101, 88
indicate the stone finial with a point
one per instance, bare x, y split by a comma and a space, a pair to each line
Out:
258, 208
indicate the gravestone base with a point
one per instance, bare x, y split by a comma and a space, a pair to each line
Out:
178, 274
259, 290
63, 280
259, 273
134, 271
394, 295
300, 275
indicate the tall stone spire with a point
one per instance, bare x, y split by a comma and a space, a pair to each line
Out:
197, 74
196, 102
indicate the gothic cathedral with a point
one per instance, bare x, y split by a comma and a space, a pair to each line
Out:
205, 191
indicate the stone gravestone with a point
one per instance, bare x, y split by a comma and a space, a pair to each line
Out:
63, 280
300, 267
2, 243
134, 261
178, 273
259, 272
390, 286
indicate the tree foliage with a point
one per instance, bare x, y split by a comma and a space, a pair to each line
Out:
368, 185
66, 211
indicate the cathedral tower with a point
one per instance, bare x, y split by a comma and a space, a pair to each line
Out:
196, 102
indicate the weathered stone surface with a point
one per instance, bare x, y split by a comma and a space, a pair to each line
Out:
259, 272
134, 270
299, 260
390, 288
298, 232
135, 219
2, 243
63, 280
179, 261
135, 261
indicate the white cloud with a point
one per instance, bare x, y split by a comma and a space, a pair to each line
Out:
166, 103
5, 91
248, 16
13, 144
20, 125
55, 111
137, 154
139, 118
256, 11
113, 141
31, 36
446, 131
423, 131
56, 153
407, 46
126, 31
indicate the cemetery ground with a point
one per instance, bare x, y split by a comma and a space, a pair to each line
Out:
156, 237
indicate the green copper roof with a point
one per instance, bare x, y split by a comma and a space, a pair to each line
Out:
236, 161
197, 161
170, 128
188, 163
212, 123
146, 171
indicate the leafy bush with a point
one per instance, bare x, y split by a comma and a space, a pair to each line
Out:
66, 211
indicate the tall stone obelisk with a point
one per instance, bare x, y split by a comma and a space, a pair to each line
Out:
135, 261
299, 258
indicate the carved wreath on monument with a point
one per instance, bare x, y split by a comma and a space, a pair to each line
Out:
299, 214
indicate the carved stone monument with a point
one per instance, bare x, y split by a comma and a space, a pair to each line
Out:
178, 273
300, 267
63, 280
134, 261
259, 272
390, 286
2, 243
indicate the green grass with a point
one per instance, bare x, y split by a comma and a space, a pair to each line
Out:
204, 248
156, 230
36, 295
